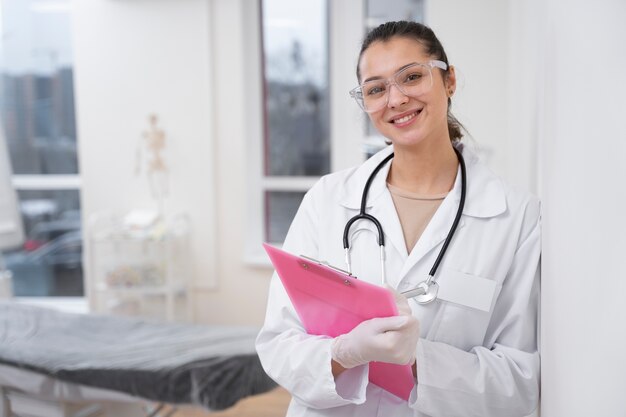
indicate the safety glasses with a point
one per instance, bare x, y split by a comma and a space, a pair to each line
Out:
413, 81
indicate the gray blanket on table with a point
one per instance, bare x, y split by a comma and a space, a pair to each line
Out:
211, 366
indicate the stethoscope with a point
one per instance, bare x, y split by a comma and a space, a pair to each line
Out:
426, 291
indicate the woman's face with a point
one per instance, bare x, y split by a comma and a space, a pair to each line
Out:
407, 121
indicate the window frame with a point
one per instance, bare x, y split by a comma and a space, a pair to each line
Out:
347, 127
36, 182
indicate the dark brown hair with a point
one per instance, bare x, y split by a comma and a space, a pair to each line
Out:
425, 36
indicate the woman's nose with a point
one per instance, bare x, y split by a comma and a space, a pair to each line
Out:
395, 97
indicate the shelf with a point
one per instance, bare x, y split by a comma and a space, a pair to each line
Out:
140, 272
143, 290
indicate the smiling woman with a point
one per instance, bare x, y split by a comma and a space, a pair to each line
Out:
415, 48
433, 198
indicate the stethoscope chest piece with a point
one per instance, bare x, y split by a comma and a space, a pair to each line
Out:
429, 294
424, 293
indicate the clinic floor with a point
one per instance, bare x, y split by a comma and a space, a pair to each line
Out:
271, 404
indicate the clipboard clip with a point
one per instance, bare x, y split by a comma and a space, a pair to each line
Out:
324, 263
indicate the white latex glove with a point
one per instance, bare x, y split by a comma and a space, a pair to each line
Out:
388, 339
404, 309
401, 302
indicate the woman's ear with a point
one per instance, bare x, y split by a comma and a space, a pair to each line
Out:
450, 81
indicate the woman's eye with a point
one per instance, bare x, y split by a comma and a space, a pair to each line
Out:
371, 91
415, 76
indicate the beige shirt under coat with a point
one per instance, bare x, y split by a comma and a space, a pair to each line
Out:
414, 211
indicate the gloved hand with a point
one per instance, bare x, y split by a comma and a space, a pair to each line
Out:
401, 302
388, 339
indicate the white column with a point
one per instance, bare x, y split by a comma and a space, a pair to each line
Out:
583, 170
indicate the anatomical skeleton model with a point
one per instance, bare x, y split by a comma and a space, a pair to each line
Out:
154, 141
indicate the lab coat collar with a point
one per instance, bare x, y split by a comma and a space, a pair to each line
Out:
355, 182
485, 191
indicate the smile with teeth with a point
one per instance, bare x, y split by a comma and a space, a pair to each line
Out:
406, 118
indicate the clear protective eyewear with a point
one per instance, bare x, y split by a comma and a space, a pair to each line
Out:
412, 81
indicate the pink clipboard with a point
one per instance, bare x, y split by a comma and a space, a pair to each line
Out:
331, 303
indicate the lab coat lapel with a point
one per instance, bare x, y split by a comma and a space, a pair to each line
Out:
484, 198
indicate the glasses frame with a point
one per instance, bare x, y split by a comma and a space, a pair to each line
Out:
357, 92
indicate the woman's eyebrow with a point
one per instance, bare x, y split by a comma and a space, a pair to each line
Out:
378, 77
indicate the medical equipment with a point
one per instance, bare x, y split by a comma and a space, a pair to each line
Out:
426, 291
93, 359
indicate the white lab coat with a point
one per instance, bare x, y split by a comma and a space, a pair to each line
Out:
469, 362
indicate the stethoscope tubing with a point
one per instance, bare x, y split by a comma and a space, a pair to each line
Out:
381, 236
457, 218
362, 214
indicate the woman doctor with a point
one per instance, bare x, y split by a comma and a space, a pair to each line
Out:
474, 348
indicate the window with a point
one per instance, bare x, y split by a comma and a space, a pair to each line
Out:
297, 115
310, 126
37, 115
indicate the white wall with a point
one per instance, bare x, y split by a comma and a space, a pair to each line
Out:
476, 38
493, 44
182, 60
132, 59
582, 151
242, 289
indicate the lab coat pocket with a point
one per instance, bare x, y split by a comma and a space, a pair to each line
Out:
467, 303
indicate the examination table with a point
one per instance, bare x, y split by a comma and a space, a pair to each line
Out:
79, 359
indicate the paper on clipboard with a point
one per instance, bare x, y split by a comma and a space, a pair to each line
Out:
331, 303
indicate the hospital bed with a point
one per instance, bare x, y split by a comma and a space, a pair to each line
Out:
63, 364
